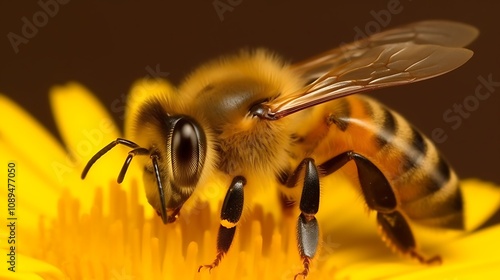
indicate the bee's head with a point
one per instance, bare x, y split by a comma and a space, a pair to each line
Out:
177, 158
176, 147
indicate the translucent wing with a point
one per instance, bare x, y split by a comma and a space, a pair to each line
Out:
403, 55
433, 32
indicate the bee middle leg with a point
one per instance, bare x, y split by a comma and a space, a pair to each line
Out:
231, 211
307, 225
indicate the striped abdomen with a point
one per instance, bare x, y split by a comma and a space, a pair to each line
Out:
424, 184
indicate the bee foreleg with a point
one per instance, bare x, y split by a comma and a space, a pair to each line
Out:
307, 225
106, 149
232, 207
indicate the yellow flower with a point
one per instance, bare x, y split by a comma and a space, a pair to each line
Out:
66, 228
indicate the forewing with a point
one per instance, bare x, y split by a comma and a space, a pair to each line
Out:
378, 67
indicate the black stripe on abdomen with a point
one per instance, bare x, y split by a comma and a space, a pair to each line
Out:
416, 153
439, 178
387, 130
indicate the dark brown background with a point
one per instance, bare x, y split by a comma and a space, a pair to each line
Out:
106, 45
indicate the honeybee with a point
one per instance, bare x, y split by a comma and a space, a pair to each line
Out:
252, 116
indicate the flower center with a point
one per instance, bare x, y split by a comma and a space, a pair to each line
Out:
126, 245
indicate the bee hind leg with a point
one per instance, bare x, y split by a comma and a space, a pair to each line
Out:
379, 196
397, 234
232, 208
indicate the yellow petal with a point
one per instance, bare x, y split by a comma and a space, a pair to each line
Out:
463, 253
476, 249
34, 151
474, 256
31, 144
86, 127
482, 199
83, 122
27, 268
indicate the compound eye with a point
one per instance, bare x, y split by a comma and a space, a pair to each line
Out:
188, 151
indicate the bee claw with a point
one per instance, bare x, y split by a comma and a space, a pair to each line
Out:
209, 266
204, 266
303, 274
436, 260
306, 262
216, 262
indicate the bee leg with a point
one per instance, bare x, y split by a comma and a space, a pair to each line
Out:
232, 207
398, 235
307, 225
376, 189
380, 197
